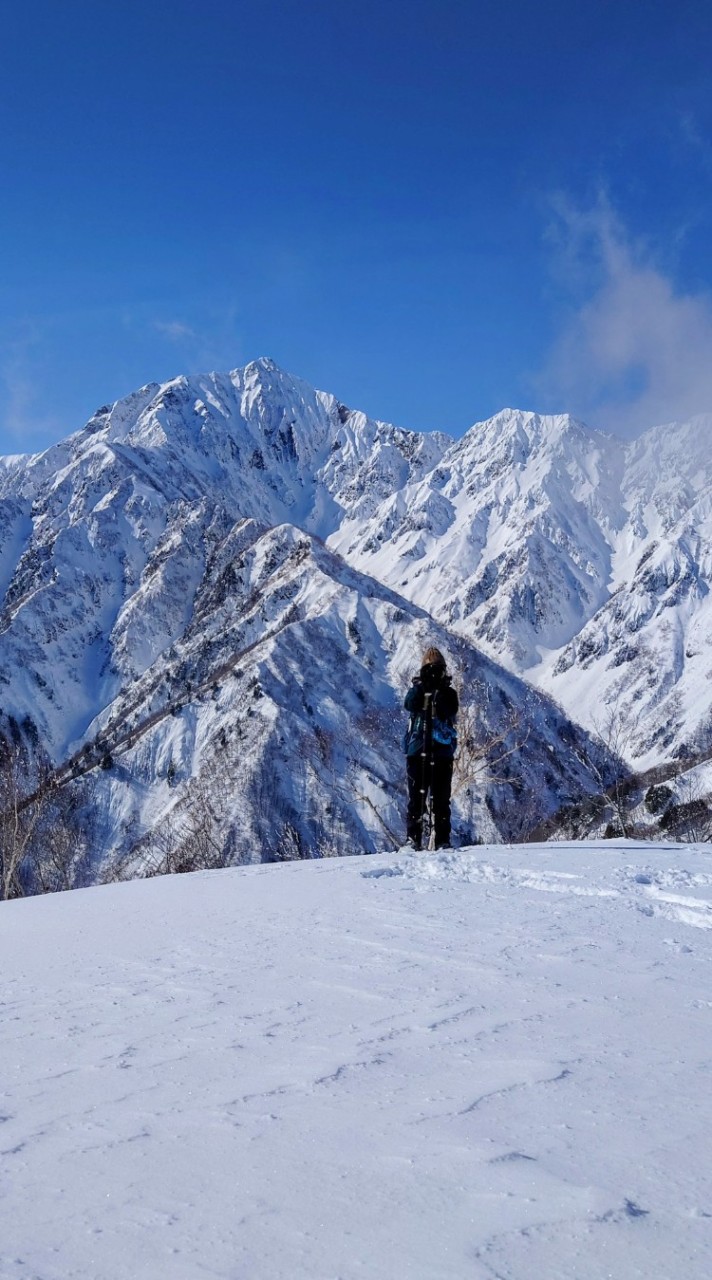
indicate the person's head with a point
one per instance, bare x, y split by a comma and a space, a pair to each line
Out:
433, 667
433, 658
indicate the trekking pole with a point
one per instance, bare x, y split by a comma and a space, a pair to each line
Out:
429, 742
431, 838
424, 756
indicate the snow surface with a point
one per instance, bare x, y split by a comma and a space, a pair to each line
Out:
492, 1064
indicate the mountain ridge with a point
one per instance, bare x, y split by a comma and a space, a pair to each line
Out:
137, 551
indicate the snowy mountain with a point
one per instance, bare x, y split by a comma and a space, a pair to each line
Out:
283, 701
489, 1063
240, 684
508, 537
171, 611
575, 560
648, 650
104, 538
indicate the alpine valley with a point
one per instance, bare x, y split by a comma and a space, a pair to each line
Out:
215, 594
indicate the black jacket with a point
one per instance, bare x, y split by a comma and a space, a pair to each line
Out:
438, 736
445, 700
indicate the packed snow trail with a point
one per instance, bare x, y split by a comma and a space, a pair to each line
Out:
493, 1064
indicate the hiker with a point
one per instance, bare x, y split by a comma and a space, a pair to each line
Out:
430, 743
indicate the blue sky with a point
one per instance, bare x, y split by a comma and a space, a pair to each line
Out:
431, 209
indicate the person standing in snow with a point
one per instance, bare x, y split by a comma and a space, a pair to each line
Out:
430, 742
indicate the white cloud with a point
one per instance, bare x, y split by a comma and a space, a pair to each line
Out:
175, 330
635, 351
213, 344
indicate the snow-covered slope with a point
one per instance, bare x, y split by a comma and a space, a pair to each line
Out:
277, 716
104, 538
509, 536
648, 651
489, 1064
575, 560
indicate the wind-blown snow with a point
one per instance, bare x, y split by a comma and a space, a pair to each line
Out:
494, 1063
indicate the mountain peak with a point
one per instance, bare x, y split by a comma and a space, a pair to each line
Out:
266, 363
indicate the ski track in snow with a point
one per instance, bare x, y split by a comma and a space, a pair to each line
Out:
492, 1063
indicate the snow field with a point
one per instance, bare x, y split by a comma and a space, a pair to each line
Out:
492, 1064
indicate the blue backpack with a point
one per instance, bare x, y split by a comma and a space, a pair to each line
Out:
444, 736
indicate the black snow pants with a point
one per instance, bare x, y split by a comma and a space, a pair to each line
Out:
422, 778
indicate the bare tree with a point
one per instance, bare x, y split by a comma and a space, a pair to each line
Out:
689, 819
58, 859
43, 827
485, 752
616, 730
192, 838
20, 820
289, 845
